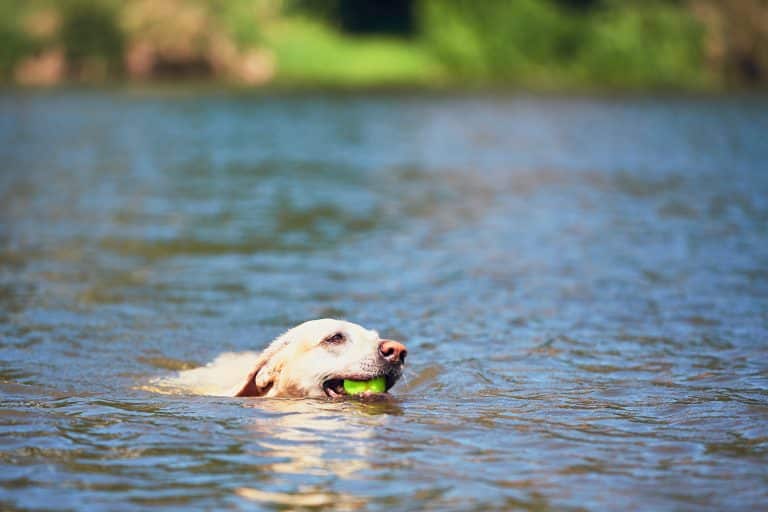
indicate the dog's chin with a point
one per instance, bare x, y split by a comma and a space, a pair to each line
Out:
334, 387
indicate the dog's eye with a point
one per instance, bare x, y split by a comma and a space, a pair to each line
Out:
334, 339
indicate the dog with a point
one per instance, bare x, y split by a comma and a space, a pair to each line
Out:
311, 360
314, 358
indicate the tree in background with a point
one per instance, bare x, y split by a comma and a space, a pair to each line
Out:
90, 38
737, 43
569, 43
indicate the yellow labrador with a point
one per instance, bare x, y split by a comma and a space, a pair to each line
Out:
314, 358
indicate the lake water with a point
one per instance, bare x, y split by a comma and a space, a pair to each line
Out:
582, 285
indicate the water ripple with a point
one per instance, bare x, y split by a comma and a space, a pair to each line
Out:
580, 282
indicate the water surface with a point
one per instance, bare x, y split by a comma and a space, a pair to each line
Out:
581, 284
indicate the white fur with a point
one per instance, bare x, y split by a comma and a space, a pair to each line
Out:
220, 377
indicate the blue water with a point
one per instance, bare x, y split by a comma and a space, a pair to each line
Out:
582, 284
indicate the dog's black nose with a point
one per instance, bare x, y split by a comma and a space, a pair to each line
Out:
392, 351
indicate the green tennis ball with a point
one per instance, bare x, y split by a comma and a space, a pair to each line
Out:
355, 387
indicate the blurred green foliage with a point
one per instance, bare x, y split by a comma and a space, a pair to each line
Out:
241, 19
89, 32
550, 44
311, 53
15, 43
646, 43
497, 40
541, 44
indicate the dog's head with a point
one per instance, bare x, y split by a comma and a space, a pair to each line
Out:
314, 358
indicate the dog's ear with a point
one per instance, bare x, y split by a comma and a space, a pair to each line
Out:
266, 370
259, 381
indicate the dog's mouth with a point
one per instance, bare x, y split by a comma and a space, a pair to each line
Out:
334, 387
